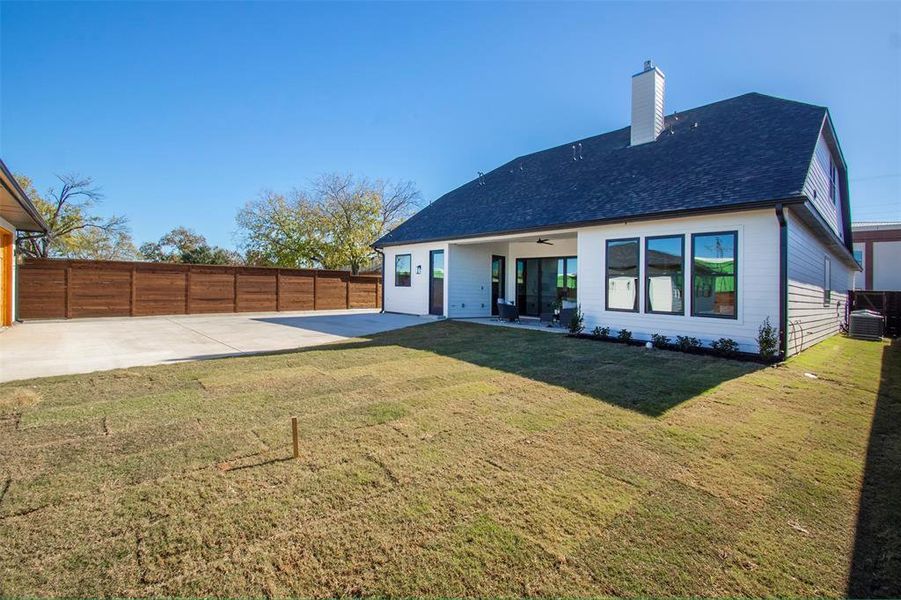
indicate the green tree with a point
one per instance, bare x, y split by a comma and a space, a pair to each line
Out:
282, 231
73, 231
183, 245
333, 225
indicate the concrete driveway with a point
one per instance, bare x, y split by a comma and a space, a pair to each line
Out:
43, 348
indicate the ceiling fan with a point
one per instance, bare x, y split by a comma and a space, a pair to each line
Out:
544, 241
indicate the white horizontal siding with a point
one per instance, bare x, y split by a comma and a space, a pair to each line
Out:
412, 300
758, 277
809, 319
469, 292
817, 187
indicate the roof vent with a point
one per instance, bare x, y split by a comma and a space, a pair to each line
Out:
647, 104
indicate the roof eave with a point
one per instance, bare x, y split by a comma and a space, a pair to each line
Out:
8, 180
753, 205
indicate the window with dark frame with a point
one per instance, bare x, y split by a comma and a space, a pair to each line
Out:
827, 281
714, 260
833, 182
665, 274
622, 261
403, 267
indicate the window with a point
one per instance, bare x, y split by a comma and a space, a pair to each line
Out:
622, 275
545, 284
833, 182
827, 281
402, 269
714, 263
665, 274
567, 269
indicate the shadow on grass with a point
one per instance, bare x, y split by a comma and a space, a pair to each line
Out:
876, 563
646, 381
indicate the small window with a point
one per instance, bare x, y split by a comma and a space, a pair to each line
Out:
664, 273
833, 182
622, 275
714, 261
827, 281
402, 269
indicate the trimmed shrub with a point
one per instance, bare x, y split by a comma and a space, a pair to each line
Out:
686, 343
601, 332
767, 340
624, 335
659, 340
577, 322
726, 347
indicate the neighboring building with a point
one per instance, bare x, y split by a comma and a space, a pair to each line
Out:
702, 223
17, 213
877, 247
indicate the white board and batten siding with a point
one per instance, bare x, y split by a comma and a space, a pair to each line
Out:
811, 318
818, 187
758, 278
414, 299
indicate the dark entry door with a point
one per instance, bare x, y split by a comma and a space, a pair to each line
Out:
498, 278
436, 282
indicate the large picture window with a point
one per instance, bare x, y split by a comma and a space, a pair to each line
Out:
665, 274
622, 274
402, 268
715, 274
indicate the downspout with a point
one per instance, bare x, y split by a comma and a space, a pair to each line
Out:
382, 254
783, 282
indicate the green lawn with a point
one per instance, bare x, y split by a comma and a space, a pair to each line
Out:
455, 459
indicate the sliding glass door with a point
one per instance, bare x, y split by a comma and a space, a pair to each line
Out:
542, 282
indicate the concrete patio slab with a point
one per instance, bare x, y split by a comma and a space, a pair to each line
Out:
45, 348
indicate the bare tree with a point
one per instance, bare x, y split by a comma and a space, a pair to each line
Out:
66, 213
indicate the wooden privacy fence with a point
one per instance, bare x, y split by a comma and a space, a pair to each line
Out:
53, 289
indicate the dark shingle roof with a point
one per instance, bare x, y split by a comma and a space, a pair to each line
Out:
744, 150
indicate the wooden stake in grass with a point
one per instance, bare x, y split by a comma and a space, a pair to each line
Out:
294, 434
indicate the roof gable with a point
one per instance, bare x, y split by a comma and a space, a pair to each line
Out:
744, 150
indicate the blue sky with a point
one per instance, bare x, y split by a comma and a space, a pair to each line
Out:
184, 111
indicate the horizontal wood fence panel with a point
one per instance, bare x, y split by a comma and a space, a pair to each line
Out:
42, 289
100, 292
56, 289
297, 290
159, 293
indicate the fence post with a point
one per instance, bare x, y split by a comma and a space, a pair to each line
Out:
132, 296
235, 290
188, 290
278, 290
347, 290
68, 291
315, 286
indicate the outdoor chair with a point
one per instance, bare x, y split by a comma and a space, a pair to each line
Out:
508, 312
547, 318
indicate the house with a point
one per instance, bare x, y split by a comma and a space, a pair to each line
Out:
17, 213
877, 247
704, 223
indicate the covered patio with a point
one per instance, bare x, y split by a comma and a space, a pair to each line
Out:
537, 273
